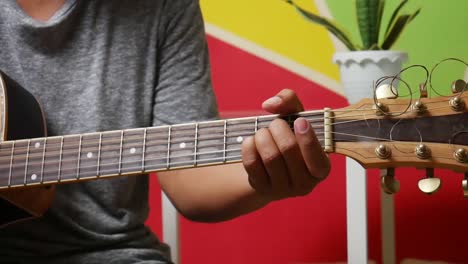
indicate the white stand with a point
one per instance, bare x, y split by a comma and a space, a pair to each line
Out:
356, 212
356, 207
388, 226
170, 226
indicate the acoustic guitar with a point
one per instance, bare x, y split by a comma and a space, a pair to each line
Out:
383, 132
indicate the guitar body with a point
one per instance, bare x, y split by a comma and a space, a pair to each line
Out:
21, 117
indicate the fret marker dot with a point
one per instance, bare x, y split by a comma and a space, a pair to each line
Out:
182, 145
132, 150
33, 177
37, 145
240, 139
89, 155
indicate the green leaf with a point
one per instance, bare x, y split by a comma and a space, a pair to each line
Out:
394, 15
379, 18
395, 32
328, 24
368, 16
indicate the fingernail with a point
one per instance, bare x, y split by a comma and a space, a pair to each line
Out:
301, 125
275, 100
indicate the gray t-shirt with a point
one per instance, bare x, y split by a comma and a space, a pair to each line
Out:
95, 66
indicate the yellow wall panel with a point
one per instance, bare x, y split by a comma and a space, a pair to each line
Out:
276, 26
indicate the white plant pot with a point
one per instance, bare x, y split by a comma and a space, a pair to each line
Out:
360, 69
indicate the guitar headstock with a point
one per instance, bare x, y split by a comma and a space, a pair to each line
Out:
426, 133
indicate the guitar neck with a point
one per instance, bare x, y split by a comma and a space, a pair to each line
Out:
52, 160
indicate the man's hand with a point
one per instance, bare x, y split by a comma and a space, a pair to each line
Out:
282, 163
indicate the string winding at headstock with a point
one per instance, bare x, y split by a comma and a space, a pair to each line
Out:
387, 132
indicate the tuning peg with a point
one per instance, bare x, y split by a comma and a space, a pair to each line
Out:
386, 91
388, 182
465, 185
458, 86
430, 184
423, 90
457, 104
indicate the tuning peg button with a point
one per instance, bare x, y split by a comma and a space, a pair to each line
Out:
465, 185
388, 182
461, 155
419, 107
458, 86
457, 104
423, 151
386, 91
430, 184
383, 152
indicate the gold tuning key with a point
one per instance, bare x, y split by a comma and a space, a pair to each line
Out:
386, 91
465, 185
388, 182
458, 86
423, 90
430, 184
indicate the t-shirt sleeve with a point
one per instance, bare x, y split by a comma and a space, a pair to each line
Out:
184, 90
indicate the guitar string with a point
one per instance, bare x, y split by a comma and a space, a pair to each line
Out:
128, 140
73, 167
137, 138
185, 127
159, 136
74, 175
150, 146
128, 143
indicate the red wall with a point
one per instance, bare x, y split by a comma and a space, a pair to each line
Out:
313, 229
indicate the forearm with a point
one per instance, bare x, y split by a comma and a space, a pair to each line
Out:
211, 194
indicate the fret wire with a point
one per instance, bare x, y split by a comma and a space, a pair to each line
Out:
43, 159
26, 163
168, 147
79, 158
225, 141
196, 143
59, 177
98, 172
11, 163
256, 124
120, 155
144, 149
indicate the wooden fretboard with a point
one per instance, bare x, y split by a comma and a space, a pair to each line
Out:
52, 160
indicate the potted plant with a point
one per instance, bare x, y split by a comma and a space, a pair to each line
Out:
371, 58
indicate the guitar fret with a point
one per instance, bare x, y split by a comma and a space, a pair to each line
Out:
143, 150
59, 177
256, 124
98, 171
11, 163
79, 158
120, 154
43, 159
26, 163
168, 147
195, 147
224, 144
